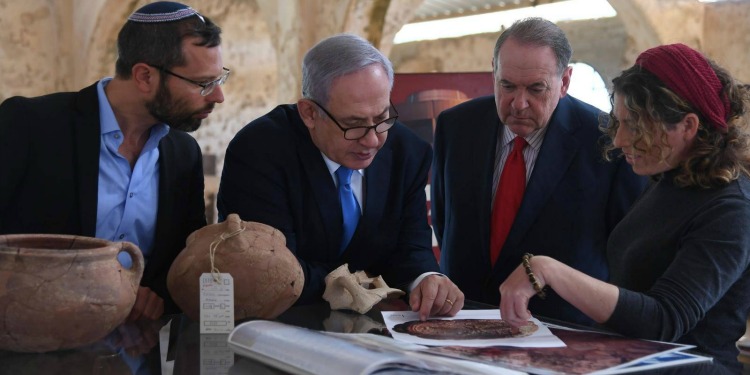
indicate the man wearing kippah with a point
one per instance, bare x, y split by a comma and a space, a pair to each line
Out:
114, 160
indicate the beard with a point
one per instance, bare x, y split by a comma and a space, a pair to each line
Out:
174, 113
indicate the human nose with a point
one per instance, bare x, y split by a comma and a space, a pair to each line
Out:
217, 95
370, 139
621, 138
519, 101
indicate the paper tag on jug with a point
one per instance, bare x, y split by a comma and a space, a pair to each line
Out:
216, 303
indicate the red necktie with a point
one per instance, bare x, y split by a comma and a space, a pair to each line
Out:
508, 197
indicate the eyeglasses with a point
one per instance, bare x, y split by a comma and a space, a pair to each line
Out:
206, 87
358, 132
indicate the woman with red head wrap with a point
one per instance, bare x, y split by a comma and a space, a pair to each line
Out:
679, 259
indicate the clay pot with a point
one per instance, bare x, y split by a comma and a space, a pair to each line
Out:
61, 291
267, 276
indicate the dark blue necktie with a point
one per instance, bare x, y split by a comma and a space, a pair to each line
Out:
349, 206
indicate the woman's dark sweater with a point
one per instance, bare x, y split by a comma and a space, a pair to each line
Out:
680, 258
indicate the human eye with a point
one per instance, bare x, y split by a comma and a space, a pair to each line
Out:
628, 125
380, 119
538, 88
210, 82
355, 124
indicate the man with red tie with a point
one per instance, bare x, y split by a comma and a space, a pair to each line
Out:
521, 171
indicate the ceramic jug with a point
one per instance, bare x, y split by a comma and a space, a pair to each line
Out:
268, 279
63, 291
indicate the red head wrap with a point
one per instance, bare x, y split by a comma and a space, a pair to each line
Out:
686, 72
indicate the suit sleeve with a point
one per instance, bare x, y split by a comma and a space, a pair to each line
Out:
15, 145
253, 187
413, 253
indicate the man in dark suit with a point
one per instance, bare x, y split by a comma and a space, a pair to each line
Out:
283, 170
569, 198
113, 160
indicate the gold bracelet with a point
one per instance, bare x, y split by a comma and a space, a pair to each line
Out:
525, 260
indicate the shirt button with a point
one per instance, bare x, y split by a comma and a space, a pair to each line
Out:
122, 236
131, 195
117, 136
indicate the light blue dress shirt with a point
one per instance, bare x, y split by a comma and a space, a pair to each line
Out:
128, 199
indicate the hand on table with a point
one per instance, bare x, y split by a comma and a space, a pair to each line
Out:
436, 295
515, 293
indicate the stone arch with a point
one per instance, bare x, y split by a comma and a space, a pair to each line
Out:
651, 23
590, 86
253, 86
641, 33
600, 43
605, 71
99, 38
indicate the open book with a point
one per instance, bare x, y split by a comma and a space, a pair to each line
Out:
586, 352
303, 351
578, 352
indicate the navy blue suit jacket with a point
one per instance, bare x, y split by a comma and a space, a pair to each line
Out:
572, 201
49, 168
274, 174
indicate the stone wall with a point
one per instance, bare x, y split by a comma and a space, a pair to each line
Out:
599, 43
727, 38
252, 88
29, 55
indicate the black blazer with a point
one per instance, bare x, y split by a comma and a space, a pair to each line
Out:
572, 201
274, 174
49, 168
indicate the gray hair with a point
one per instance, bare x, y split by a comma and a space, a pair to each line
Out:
334, 57
537, 32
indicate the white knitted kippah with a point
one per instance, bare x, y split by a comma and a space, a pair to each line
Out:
163, 11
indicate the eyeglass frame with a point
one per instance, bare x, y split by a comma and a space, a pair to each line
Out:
367, 128
210, 86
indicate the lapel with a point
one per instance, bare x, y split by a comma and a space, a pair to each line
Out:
167, 186
377, 181
557, 152
322, 186
484, 157
87, 134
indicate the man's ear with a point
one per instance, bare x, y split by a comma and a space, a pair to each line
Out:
145, 77
567, 73
307, 112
